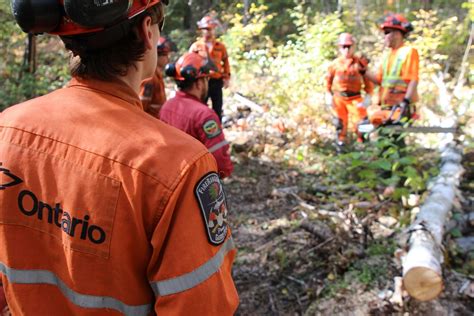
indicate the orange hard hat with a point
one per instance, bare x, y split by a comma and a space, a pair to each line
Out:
207, 22
72, 17
396, 21
190, 66
345, 39
165, 46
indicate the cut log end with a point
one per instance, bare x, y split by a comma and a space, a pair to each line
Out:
422, 283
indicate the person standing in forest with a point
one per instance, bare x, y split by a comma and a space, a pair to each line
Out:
208, 45
152, 93
105, 209
188, 112
344, 85
397, 76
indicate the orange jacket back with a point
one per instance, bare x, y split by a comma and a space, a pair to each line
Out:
102, 210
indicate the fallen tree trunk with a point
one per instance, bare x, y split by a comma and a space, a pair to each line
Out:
422, 277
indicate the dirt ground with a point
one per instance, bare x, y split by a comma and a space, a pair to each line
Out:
293, 260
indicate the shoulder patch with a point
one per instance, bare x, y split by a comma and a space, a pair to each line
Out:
212, 202
211, 128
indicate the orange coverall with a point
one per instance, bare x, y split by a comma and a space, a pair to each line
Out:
399, 67
345, 82
106, 210
218, 54
153, 92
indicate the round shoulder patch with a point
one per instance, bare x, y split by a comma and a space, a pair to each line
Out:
211, 128
212, 202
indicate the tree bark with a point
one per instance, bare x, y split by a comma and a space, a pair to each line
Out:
422, 276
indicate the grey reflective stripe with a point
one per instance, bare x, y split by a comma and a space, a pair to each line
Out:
391, 82
196, 277
218, 146
87, 301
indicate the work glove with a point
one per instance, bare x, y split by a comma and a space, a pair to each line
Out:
328, 99
366, 102
363, 64
404, 109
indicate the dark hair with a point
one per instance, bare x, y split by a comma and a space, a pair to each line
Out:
115, 59
185, 85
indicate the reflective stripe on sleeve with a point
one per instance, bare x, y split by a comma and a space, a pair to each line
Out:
196, 277
87, 301
218, 146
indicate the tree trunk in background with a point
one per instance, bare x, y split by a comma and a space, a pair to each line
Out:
246, 11
359, 8
194, 11
29, 57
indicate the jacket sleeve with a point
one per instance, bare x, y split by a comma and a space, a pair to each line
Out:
226, 64
210, 133
330, 77
192, 247
368, 85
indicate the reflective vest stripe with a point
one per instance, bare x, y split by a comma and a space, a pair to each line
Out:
391, 77
194, 278
87, 301
218, 146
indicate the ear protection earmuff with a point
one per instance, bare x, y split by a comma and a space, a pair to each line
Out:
39, 16
406, 25
189, 72
96, 13
170, 70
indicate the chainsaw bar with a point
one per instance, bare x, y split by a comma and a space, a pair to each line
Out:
421, 129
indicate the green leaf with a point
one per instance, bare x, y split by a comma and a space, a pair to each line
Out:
455, 232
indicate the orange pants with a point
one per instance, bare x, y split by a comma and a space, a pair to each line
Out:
349, 113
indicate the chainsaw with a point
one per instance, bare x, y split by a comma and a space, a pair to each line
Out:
396, 126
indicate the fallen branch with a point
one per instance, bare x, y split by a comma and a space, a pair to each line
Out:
318, 229
247, 102
422, 277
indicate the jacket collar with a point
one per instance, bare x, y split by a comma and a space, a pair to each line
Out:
182, 94
114, 88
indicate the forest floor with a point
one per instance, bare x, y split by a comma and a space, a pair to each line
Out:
298, 254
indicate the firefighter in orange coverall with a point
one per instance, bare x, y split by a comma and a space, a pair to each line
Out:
344, 83
152, 93
397, 75
188, 112
217, 52
105, 209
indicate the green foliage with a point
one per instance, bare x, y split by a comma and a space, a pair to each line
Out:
380, 164
381, 247
17, 83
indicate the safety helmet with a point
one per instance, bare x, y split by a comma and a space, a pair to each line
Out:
396, 21
190, 66
207, 22
72, 17
165, 46
345, 39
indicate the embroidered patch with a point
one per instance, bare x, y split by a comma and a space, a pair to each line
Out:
211, 199
211, 129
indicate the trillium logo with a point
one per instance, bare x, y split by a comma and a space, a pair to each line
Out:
9, 179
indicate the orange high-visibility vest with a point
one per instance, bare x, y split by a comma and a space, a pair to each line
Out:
395, 75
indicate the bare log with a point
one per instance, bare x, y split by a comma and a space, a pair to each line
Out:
422, 276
